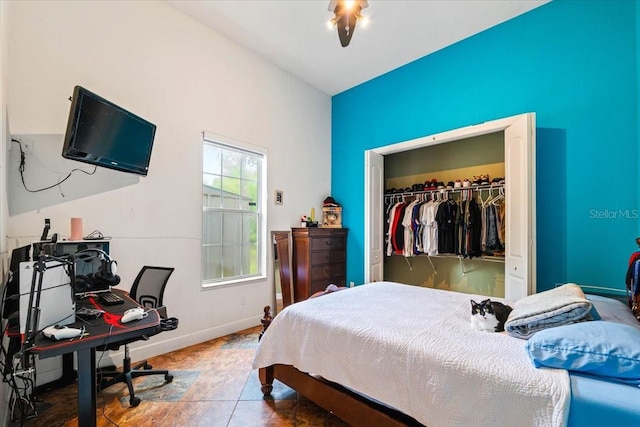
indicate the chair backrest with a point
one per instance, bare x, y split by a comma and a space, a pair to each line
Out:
148, 288
284, 262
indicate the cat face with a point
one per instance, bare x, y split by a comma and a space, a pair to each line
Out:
481, 309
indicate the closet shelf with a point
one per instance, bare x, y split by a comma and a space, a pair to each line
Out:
448, 190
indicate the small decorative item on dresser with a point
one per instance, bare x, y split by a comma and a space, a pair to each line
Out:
307, 221
331, 214
332, 217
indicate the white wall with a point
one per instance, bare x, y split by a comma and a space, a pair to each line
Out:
4, 125
4, 20
186, 79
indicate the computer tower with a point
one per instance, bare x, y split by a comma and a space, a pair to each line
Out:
57, 298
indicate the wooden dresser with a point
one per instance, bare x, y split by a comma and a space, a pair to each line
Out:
319, 259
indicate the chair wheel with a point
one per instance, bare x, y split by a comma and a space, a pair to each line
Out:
134, 401
168, 378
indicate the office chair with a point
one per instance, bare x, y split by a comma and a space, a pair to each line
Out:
148, 290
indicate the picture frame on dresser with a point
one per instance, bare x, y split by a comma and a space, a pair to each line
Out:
332, 217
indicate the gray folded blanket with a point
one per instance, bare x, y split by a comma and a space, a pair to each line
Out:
559, 306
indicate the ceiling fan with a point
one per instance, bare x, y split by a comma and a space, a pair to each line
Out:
346, 15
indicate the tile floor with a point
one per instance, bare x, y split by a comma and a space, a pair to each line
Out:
213, 385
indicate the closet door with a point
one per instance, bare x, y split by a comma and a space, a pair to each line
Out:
519, 145
374, 218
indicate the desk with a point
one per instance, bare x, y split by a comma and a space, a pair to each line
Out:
105, 330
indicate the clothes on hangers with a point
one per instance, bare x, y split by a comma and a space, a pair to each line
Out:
469, 229
447, 229
395, 231
445, 226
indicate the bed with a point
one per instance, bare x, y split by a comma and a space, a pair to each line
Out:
392, 354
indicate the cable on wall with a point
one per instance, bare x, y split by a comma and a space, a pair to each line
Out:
21, 169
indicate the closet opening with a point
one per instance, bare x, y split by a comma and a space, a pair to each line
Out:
453, 196
501, 150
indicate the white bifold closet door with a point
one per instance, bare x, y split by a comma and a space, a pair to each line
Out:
374, 216
519, 146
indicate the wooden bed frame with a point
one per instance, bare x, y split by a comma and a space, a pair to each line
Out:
350, 407
343, 403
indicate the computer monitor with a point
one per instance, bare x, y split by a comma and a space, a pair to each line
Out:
19, 255
88, 260
57, 297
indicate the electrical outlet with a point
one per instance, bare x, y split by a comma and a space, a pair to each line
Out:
243, 300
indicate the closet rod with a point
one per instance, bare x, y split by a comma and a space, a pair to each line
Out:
490, 258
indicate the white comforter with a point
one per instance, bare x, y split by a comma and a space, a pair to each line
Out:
413, 348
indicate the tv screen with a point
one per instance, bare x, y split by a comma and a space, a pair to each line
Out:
104, 134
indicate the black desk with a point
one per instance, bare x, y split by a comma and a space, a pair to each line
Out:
105, 330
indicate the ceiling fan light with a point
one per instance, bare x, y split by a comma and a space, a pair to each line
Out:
347, 13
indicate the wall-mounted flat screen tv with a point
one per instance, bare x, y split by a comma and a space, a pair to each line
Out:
104, 134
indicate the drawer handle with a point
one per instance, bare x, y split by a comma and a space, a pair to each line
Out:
328, 242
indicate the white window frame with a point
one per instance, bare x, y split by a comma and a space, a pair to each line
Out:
261, 276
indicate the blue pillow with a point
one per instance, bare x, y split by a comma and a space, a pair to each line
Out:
606, 349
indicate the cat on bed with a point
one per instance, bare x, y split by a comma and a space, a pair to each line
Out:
489, 316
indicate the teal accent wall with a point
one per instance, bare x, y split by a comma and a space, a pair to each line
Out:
637, 4
573, 63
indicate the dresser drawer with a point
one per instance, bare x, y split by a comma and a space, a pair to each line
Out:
326, 272
324, 243
327, 257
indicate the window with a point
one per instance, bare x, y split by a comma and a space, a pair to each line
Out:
233, 225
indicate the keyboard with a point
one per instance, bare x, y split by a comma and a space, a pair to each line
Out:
109, 298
